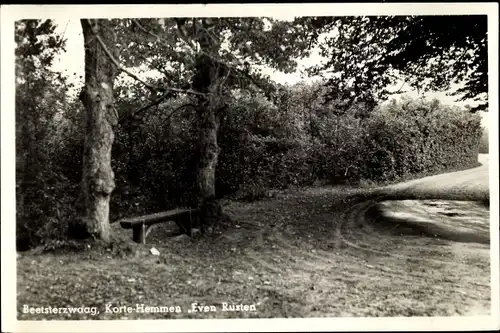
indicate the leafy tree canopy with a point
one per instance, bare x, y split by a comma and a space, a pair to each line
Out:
238, 45
368, 54
39, 90
36, 46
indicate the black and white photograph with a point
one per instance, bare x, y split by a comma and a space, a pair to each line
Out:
240, 167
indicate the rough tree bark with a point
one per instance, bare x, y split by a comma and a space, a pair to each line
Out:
207, 81
100, 118
208, 149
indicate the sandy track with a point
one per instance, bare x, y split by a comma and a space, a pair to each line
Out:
470, 184
465, 262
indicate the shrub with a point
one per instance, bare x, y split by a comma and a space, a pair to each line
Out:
154, 162
417, 136
338, 148
46, 195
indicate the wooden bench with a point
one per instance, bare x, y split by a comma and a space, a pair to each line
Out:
141, 225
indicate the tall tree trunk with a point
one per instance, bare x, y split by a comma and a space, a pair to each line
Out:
100, 117
208, 157
207, 81
209, 152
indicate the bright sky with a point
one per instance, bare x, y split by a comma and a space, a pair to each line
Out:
72, 61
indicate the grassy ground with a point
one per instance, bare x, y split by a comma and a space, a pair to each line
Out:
304, 253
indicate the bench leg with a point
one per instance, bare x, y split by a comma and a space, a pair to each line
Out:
139, 233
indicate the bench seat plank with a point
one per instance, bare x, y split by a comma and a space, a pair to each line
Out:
141, 225
128, 223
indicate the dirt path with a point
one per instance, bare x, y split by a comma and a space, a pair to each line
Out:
463, 220
308, 253
413, 230
470, 184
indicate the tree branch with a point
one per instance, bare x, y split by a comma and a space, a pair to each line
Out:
184, 38
181, 107
180, 33
132, 75
158, 38
177, 109
399, 90
154, 103
115, 62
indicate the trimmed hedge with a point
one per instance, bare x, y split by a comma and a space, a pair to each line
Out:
412, 137
400, 140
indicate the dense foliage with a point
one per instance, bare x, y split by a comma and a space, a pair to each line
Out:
46, 132
265, 146
416, 136
270, 135
366, 54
